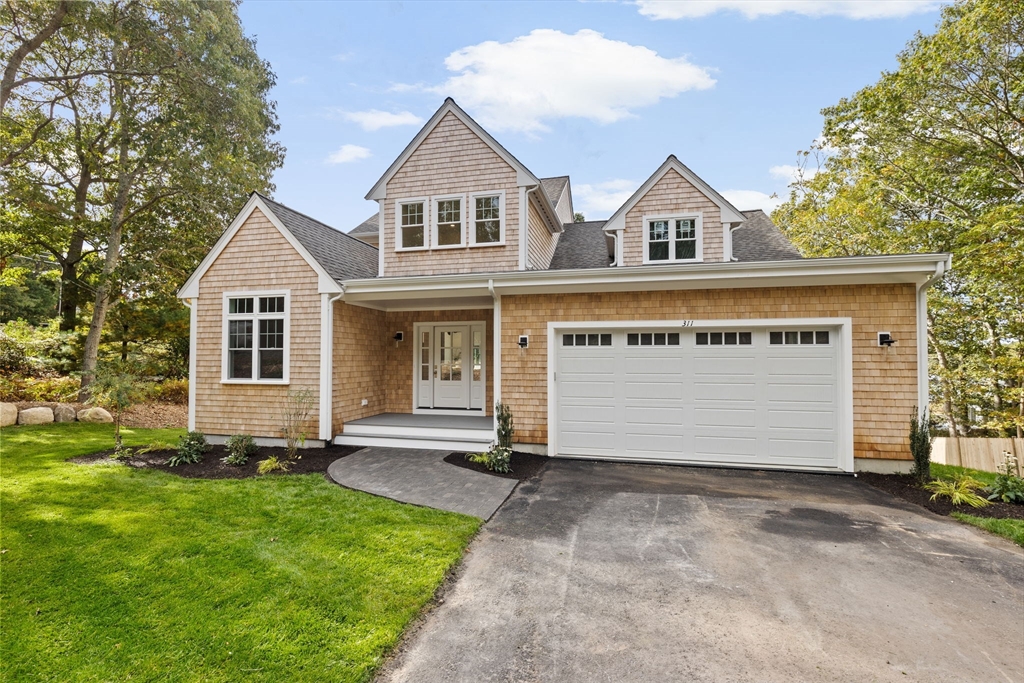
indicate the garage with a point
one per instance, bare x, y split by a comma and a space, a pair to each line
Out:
766, 394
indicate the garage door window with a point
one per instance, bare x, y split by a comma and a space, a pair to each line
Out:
652, 339
586, 340
798, 337
724, 338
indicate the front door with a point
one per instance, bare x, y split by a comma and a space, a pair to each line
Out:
451, 378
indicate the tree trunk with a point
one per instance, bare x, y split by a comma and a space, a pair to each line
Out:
27, 47
69, 283
124, 343
947, 390
994, 348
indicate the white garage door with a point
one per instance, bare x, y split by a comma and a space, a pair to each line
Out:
762, 396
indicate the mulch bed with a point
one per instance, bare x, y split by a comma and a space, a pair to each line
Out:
313, 460
524, 465
904, 486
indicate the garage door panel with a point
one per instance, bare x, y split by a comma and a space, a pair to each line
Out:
801, 366
654, 390
650, 444
588, 365
722, 365
800, 393
638, 415
588, 413
801, 449
732, 447
723, 417
724, 391
572, 389
647, 365
585, 440
801, 419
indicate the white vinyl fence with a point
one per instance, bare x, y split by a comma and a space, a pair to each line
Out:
978, 454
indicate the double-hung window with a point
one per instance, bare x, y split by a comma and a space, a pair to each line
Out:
256, 337
672, 239
412, 232
488, 215
448, 222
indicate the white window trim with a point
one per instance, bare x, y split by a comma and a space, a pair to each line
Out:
427, 210
471, 222
699, 222
434, 222
256, 316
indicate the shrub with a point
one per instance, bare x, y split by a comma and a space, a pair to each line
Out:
498, 459
118, 389
960, 490
240, 448
171, 391
505, 426
42, 389
272, 464
298, 406
1007, 487
13, 359
921, 444
190, 449
155, 446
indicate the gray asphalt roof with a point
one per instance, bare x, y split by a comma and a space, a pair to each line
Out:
367, 227
553, 187
342, 256
758, 239
581, 245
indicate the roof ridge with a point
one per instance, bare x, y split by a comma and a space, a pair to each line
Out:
318, 222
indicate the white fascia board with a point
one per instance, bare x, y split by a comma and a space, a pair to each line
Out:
523, 174
904, 268
729, 213
547, 210
325, 283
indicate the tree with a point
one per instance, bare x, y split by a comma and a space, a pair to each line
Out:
119, 389
578, 217
931, 158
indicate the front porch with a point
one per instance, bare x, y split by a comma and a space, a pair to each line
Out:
403, 430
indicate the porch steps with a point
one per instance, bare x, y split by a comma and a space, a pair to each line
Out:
413, 431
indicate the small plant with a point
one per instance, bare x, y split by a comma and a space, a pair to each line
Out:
960, 490
240, 447
272, 464
497, 459
1007, 487
298, 406
154, 447
171, 391
119, 389
190, 449
506, 428
921, 444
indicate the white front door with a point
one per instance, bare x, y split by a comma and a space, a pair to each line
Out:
451, 372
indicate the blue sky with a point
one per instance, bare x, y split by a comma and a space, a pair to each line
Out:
601, 91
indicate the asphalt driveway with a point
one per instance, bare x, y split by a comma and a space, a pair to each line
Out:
608, 572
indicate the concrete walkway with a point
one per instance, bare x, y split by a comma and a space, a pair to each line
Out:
422, 478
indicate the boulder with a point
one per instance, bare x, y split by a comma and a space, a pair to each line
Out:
64, 413
94, 415
8, 414
35, 416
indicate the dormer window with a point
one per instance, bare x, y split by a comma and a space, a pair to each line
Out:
448, 225
488, 215
412, 233
673, 239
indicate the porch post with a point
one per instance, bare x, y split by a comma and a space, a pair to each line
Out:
326, 364
497, 344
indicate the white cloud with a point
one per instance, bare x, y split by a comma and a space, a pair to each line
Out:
603, 198
548, 75
752, 199
754, 9
299, 81
791, 173
347, 154
375, 119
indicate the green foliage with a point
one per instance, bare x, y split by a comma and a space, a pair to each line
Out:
48, 351
1012, 529
497, 459
297, 408
578, 217
117, 388
191, 447
506, 428
240, 447
48, 389
272, 464
961, 490
155, 447
171, 391
921, 445
13, 360
253, 575
929, 159
1007, 487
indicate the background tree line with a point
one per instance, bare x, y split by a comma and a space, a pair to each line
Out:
928, 159
131, 131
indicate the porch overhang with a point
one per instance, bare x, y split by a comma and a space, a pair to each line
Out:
477, 290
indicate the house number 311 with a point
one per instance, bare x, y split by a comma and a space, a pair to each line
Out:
687, 323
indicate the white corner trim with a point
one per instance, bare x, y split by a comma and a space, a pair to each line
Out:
326, 398
923, 395
697, 216
190, 290
524, 226
523, 175
255, 316
729, 213
193, 318
727, 229
380, 237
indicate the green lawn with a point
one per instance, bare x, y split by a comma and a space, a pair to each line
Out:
1012, 529
109, 573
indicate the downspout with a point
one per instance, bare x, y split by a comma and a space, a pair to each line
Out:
193, 316
327, 363
497, 349
922, 337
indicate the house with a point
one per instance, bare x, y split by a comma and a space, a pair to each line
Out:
680, 330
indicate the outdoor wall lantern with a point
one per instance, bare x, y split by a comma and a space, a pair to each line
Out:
524, 341
885, 339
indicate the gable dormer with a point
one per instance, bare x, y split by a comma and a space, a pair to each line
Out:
456, 201
675, 217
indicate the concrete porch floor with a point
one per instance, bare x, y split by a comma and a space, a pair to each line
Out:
468, 421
